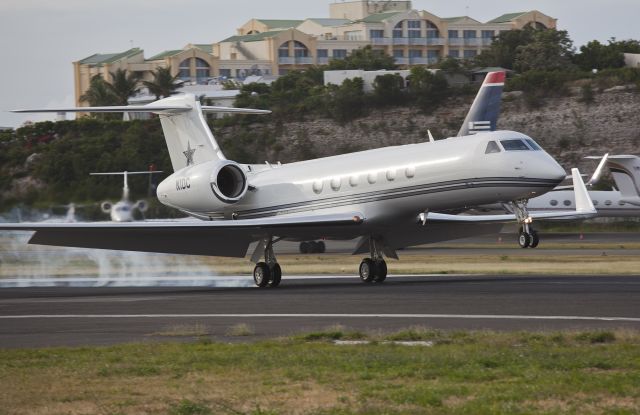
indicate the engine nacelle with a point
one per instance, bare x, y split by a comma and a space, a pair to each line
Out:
106, 207
208, 187
229, 182
141, 205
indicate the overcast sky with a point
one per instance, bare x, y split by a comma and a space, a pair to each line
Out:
39, 39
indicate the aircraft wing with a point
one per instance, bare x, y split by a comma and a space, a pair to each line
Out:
584, 210
229, 238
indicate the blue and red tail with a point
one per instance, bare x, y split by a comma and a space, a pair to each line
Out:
484, 113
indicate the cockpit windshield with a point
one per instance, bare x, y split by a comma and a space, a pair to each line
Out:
514, 145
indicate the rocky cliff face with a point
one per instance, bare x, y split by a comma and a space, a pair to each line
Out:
566, 127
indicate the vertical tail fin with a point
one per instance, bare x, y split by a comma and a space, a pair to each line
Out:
483, 114
626, 173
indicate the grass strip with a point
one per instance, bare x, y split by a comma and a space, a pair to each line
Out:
462, 373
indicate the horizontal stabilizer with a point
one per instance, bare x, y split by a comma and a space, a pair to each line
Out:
129, 108
230, 110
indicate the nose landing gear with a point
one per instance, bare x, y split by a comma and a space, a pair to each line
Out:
527, 237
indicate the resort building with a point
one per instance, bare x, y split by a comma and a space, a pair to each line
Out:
273, 47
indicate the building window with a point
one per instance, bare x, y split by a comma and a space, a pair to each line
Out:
184, 71
398, 53
488, 34
339, 53
470, 53
376, 34
453, 34
397, 31
433, 54
414, 24
432, 30
354, 35
225, 73
300, 50
454, 53
415, 53
414, 34
470, 34
203, 70
283, 51
323, 53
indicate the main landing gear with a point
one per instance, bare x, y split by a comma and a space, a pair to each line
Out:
374, 269
267, 273
527, 237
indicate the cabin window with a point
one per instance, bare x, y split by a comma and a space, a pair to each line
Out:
372, 178
607, 202
554, 203
410, 172
492, 147
533, 144
567, 203
353, 181
514, 145
317, 186
336, 183
621, 203
595, 203
391, 175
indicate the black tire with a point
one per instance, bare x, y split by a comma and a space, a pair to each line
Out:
367, 270
275, 275
381, 271
305, 248
535, 239
261, 274
322, 248
314, 247
524, 240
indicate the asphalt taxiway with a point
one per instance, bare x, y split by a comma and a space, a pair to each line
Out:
64, 316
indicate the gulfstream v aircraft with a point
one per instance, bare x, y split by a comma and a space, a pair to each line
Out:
390, 198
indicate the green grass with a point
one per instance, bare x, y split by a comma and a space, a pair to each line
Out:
462, 373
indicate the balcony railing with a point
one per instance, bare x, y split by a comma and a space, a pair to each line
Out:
402, 61
286, 60
323, 61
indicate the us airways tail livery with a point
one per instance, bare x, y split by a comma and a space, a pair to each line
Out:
390, 198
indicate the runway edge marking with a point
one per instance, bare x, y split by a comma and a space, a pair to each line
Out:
390, 316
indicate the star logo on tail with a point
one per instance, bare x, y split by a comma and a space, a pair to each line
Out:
189, 154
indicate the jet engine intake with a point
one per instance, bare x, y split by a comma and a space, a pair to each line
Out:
106, 207
229, 182
141, 205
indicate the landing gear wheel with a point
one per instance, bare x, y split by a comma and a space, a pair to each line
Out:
367, 270
524, 239
261, 274
535, 239
321, 247
276, 275
305, 247
380, 271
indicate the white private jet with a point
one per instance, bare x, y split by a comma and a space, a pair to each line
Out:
122, 211
388, 197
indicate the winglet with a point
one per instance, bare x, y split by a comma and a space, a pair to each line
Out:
583, 201
596, 175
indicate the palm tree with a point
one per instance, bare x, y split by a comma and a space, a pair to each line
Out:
99, 93
124, 85
163, 84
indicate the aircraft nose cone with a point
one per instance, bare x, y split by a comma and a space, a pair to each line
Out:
554, 171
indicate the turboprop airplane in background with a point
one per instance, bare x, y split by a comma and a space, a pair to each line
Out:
390, 197
122, 211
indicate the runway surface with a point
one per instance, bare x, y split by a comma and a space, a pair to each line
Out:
62, 316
